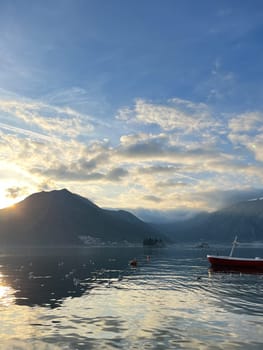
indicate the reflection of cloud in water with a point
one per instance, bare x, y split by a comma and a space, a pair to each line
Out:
167, 302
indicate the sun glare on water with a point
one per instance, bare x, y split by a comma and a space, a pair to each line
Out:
6, 294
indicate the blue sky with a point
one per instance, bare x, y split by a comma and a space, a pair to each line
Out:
153, 105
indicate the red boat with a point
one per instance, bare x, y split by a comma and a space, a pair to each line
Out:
229, 262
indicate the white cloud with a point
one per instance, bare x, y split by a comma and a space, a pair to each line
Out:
246, 130
21, 131
181, 115
190, 153
247, 122
47, 119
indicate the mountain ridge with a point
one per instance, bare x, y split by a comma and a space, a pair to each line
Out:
60, 217
243, 218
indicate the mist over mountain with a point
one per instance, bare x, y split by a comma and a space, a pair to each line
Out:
60, 217
244, 219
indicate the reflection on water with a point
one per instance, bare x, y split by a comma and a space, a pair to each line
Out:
47, 277
6, 293
92, 298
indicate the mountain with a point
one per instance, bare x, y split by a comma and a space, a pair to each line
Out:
244, 219
60, 217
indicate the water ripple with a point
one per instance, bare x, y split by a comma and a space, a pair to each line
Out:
171, 301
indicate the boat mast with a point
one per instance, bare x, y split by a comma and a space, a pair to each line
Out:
234, 244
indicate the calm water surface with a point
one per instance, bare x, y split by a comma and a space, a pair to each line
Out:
93, 299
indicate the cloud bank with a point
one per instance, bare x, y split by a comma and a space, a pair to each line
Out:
159, 156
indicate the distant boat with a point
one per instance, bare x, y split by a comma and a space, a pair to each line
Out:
235, 263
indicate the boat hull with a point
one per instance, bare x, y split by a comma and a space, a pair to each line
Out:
235, 263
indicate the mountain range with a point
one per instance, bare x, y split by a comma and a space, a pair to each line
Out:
244, 219
60, 217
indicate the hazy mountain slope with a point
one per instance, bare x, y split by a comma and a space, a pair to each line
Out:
244, 219
60, 217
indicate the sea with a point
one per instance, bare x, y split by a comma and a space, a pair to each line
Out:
92, 298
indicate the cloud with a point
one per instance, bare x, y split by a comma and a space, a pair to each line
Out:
246, 130
220, 85
93, 162
149, 146
82, 170
81, 100
177, 114
161, 147
117, 174
64, 173
37, 117
246, 123
171, 183
164, 216
46, 185
152, 198
159, 168
14, 192
21, 131
226, 198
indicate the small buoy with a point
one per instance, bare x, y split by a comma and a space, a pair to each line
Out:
134, 262
148, 258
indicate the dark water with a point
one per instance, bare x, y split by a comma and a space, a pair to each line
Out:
93, 299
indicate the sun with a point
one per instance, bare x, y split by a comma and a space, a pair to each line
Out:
6, 202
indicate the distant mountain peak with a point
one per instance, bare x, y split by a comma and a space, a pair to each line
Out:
61, 191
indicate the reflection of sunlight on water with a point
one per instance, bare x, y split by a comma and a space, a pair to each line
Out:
6, 293
167, 303
133, 314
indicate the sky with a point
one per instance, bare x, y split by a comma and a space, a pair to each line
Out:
154, 106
